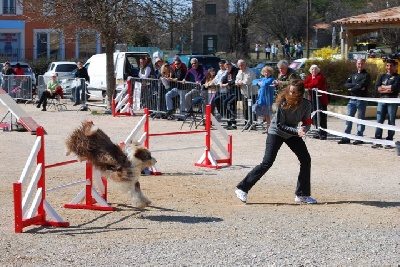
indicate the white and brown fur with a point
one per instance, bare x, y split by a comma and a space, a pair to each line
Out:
121, 164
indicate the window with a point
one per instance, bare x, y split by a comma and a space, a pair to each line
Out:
87, 43
211, 9
49, 44
9, 7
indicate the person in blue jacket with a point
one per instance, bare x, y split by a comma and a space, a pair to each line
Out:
265, 98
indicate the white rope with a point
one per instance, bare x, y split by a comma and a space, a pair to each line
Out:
178, 148
372, 99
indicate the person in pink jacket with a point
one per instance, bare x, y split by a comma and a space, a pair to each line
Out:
317, 80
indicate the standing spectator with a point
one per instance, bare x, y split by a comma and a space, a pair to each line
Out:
273, 52
217, 81
157, 68
286, 49
317, 80
357, 84
299, 51
7, 70
226, 100
258, 50
18, 70
81, 73
178, 74
285, 75
196, 74
244, 80
388, 86
144, 69
268, 51
210, 88
265, 97
292, 109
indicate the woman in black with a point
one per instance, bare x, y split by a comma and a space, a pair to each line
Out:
292, 109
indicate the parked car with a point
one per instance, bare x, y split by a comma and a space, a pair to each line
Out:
60, 67
27, 69
257, 69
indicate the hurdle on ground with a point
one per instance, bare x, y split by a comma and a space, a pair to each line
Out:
122, 104
35, 192
210, 157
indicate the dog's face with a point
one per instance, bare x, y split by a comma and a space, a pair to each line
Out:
144, 155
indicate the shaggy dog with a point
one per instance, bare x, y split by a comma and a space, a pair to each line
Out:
122, 164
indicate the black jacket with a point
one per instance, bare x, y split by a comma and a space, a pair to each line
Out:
82, 73
358, 83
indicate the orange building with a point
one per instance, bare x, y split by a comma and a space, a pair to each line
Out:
23, 39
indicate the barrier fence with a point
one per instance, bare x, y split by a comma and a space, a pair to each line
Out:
19, 87
31, 206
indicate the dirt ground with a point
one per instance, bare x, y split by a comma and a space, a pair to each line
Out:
356, 186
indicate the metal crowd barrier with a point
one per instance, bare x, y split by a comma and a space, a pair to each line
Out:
19, 87
227, 103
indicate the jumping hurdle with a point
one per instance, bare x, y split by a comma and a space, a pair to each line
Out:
122, 104
35, 193
210, 158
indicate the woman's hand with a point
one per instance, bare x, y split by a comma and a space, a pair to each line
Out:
302, 131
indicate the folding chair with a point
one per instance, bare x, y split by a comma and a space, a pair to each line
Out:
195, 113
56, 101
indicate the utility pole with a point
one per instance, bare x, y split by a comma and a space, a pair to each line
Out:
308, 28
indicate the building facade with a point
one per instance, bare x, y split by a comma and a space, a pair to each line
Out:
210, 31
32, 39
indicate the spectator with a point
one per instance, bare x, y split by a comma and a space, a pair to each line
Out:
196, 74
177, 88
217, 81
210, 88
267, 51
226, 100
285, 75
18, 70
357, 85
274, 50
388, 86
7, 70
317, 80
81, 73
182, 65
299, 50
258, 50
292, 109
144, 69
244, 80
265, 97
49, 92
157, 68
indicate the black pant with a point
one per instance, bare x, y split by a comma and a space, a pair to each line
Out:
44, 97
273, 144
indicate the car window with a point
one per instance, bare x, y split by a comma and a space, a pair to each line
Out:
65, 68
260, 65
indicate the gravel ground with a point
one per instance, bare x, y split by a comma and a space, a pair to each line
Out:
195, 218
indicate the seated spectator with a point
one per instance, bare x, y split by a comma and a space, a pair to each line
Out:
177, 88
196, 74
217, 81
49, 92
18, 70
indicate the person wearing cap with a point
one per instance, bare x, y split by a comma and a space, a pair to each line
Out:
317, 80
157, 68
388, 86
357, 84
49, 92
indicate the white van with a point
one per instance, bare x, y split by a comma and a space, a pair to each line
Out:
125, 64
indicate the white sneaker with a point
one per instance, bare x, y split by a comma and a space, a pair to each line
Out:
305, 199
241, 195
